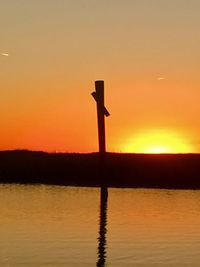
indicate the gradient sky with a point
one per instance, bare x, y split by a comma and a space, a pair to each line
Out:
146, 51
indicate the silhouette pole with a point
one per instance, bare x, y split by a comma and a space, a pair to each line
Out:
98, 95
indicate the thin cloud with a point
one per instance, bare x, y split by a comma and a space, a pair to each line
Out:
5, 54
160, 78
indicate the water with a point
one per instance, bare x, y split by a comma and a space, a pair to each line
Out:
67, 226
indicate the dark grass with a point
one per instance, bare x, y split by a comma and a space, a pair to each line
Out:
177, 171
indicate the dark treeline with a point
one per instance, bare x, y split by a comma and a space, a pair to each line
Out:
121, 170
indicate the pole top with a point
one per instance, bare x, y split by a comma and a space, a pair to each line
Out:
99, 82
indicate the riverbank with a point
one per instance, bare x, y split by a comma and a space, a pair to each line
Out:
178, 171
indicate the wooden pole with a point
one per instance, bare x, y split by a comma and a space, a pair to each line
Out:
99, 86
101, 113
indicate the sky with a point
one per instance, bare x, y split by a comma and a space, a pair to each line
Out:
146, 51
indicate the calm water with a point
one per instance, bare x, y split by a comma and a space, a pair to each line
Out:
66, 226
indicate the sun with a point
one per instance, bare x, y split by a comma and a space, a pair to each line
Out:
157, 142
157, 150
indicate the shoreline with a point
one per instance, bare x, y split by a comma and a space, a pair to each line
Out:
163, 171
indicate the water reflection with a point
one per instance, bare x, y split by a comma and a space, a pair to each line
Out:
102, 228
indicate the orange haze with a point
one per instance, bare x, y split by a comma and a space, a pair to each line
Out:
51, 53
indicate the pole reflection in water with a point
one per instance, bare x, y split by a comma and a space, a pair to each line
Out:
102, 228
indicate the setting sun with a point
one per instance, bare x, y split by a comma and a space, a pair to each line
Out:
157, 142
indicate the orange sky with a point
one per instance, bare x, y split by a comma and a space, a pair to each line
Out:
147, 52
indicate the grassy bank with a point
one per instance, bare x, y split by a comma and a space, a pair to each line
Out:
121, 170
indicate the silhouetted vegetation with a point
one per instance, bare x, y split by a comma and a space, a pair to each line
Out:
121, 170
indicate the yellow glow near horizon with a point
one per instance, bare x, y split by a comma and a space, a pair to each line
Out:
52, 52
157, 142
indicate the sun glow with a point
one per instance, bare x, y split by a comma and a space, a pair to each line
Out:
157, 142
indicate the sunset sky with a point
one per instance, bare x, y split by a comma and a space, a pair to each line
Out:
146, 51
